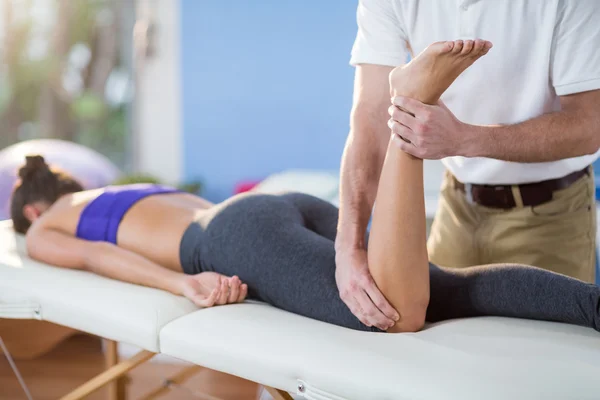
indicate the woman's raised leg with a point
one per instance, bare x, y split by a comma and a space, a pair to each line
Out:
397, 250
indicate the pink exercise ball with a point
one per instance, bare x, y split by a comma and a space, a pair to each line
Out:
89, 167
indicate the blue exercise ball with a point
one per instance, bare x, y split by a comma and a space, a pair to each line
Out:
90, 168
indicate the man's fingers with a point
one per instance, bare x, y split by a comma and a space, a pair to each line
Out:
410, 148
381, 302
403, 118
372, 313
411, 106
404, 132
360, 314
355, 309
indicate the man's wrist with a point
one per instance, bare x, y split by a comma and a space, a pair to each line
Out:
475, 141
347, 243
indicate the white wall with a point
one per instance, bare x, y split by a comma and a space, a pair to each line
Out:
158, 119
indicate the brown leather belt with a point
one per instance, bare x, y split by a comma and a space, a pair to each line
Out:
532, 194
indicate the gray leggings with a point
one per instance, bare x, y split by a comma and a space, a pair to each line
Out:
282, 246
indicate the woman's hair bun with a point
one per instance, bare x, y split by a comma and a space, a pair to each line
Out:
35, 166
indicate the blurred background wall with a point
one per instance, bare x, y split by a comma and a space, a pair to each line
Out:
267, 87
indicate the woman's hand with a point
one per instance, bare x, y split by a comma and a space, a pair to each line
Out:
208, 289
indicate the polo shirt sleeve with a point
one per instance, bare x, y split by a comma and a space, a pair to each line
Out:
381, 39
575, 58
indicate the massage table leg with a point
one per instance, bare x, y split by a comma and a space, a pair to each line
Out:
117, 389
111, 374
278, 394
13, 366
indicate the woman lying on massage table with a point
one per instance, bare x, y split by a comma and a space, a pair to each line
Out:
280, 248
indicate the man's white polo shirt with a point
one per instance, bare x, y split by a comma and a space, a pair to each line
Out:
542, 49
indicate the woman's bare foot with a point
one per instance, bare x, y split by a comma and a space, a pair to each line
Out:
429, 74
208, 289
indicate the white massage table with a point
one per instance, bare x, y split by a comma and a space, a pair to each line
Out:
483, 358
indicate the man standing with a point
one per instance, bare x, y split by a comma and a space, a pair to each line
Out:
517, 133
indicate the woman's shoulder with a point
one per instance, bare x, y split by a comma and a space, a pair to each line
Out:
77, 199
65, 212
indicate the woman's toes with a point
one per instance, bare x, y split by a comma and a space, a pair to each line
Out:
467, 47
447, 46
487, 46
458, 45
442, 47
478, 47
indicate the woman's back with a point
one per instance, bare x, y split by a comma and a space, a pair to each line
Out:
144, 219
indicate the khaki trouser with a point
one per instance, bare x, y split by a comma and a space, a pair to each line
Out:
559, 235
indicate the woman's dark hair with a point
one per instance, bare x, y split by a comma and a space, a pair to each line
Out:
38, 182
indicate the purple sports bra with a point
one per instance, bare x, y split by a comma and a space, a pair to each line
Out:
100, 219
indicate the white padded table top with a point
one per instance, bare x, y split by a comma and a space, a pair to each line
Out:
483, 358
81, 300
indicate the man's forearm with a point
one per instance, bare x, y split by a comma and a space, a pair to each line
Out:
550, 137
360, 170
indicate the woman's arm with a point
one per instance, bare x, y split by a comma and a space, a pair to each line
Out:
205, 289
56, 248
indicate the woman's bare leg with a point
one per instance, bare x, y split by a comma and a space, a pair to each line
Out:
397, 251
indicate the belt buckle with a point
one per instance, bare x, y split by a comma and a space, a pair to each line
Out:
469, 193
